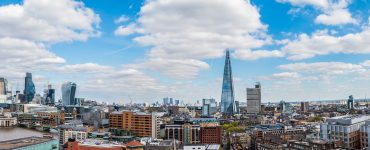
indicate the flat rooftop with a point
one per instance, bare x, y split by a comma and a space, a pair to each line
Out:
22, 142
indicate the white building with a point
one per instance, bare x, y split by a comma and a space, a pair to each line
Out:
344, 128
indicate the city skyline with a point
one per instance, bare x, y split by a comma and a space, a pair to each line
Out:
119, 51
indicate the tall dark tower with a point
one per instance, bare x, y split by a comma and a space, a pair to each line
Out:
227, 96
350, 102
29, 88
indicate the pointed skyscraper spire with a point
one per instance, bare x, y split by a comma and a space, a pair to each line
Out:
227, 96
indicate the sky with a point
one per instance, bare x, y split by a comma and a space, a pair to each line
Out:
143, 50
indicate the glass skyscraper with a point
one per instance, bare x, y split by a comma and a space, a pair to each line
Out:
29, 88
227, 96
68, 93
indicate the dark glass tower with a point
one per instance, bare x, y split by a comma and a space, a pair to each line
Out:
29, 88
350, 102
227, 96
68, 93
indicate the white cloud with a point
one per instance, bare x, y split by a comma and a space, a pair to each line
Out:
124, 30
121, 19
326, 68
178, 68
302, 3
335, 17
195, 30
286, 75
84, 68
333, 12
48, 21
306, 46
366, 63
257, 54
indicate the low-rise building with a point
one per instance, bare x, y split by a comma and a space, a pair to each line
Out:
30, 143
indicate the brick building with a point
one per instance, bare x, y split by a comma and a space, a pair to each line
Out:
141, 124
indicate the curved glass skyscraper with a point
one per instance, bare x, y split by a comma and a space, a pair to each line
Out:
29, 88
68, 93
227, 96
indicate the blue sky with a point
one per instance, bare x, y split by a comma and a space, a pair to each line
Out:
142, 51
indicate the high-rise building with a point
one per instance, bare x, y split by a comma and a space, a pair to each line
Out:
3, 86
350, 102
254, 99
68, 93
29, 88
166, 101
227, 96
304, 106
209, 107
49, 95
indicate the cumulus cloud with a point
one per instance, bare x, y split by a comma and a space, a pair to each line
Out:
327, 68
332, 12
185, 32
121, 19
85, 68
178, 68
48, 21
257, 54
366, 63
306, 46
124, 30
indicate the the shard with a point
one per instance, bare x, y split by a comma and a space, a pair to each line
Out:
227, 96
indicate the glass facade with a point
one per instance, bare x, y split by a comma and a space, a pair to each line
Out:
29, 88
68, 93
227, 96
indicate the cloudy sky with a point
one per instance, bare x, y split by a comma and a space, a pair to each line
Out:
144, 50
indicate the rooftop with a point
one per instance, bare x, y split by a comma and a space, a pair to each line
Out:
22, 142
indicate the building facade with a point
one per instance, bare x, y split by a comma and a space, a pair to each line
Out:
49, 96
29, 88
68, 93
141, 124
305, 106
186, 133
254, 99
227, 96
345, 129
3, 86
210, 134
7, 122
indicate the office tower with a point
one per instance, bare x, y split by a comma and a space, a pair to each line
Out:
350, 102
3, 86
304, 106
49, 95
177, 102
29, 88
171, 101
166, 101
237, 109
254, 99
209, 107
227, 96
68, 93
